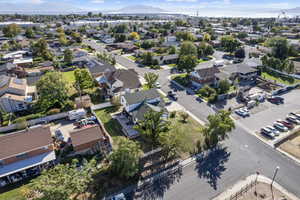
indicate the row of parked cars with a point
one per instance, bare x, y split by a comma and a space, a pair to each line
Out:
281, 126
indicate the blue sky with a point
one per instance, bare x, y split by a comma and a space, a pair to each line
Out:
205, 7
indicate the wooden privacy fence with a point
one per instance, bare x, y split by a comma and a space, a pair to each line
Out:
242, 191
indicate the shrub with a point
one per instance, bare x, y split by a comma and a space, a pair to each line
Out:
53, 111
173, 114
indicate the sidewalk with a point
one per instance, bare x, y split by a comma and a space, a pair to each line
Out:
242, 183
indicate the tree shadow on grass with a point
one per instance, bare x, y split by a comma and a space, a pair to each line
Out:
211, 165
156, 188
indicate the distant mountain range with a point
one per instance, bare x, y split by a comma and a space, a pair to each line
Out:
140, 9
293, 10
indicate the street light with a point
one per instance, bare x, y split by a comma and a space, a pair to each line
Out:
275, 173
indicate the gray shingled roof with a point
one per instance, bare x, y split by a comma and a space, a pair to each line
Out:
239, 68
137, 97
7, 66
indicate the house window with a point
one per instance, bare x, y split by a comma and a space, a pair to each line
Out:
23, 155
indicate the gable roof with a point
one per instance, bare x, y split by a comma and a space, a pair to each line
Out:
208, 72
7, 66
24, 141
86, 135
141, 110
129, 78
239, 68
97, 67
138, 97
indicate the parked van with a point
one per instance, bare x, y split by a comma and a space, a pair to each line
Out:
76, 114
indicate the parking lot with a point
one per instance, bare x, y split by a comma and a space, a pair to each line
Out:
267, 113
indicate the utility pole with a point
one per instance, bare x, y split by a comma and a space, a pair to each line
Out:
275, 173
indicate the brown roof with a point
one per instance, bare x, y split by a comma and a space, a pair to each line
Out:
208, 72
86, 135
13, 97
18, 83
24, 141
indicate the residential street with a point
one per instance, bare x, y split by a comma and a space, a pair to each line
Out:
241, 155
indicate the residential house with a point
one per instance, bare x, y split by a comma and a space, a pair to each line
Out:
7, 68
166, 59
242, 71
137, 104
204, 76
97, 67
15, 94
25, 153
121, 80
89, 140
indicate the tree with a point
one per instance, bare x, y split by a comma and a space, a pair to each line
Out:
172, 50
40, 49
76, 36
52, 90
120, 37
11, 30
64, 180
290, 68
147, 58
206, 37
147, 44
219, 125
240, 53
280, 48
68, 56
63, 40
187, 63
83, 79
151, 79
134, 36
229, 43
204, 50
188, 49
171, 143
29, 33
184, 116
224, 86
124, 161
209, 93
152, 125
185, 36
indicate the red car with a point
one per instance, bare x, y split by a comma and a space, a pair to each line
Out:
286, 124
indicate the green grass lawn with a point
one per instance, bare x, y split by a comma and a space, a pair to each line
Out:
113, 127
70, 78
182, 79
14, 194
172, 65
190, 132
279, 79
132, 58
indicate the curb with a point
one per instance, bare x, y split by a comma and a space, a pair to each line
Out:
242, 183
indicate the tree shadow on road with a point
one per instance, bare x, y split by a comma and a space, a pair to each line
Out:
155, 189
210, 165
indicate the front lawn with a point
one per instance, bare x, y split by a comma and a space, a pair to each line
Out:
133, 58
279, 79
14, 194
190, 132
182, 79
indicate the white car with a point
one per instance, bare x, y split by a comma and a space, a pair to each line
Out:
274, 130
295, 115
293, 119
280, 127
267, 132
157, 85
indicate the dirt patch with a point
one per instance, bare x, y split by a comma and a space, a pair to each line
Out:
263, 191
292, 145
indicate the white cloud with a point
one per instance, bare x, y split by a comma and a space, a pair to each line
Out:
97, 1
182, 0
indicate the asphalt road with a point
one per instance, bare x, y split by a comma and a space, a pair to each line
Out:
237, 157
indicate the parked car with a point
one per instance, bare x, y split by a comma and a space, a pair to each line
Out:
58, 135
286, 124
274, 130
280, 127
293, 119
296, 115
172, 95
120, 196
244, 112
276, 100
267, 132
157, 85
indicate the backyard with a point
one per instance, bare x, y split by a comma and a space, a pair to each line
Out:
70, 79
279, 79
182, 79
